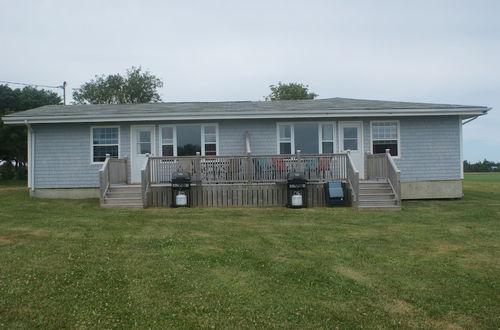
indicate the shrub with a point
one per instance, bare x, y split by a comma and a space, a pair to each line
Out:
7, 171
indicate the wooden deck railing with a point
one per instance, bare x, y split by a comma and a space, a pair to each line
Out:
104, 179
146, 181
250, 168
393, 176
352, 175
382, 166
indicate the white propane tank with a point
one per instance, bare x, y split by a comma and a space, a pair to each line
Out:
181, 199
296, 199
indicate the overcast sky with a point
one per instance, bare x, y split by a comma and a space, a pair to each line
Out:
422, 51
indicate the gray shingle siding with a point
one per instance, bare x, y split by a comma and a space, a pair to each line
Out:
430, 148
262, 136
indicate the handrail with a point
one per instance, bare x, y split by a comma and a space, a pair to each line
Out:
104, 181
393, 176
146, 181
249, 167
352, 177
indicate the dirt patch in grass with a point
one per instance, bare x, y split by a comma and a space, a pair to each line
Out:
445, 248
353, 274
6, 240
441, 324
12, 188
400, 307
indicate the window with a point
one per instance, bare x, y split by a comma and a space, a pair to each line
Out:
385, 136
143, 141
167, 141
285, 139
350, 138
105, 140
327, 139
187, 140
309, 138
210, 139
306, 138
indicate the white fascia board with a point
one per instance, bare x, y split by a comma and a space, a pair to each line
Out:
259, 115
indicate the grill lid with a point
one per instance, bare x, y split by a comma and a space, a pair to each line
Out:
295, 177
181, 177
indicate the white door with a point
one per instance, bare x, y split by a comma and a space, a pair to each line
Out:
142, 142
351, 138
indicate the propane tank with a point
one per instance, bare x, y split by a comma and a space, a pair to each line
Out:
296, 199
181, 199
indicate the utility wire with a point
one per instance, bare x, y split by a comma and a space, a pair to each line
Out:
25, 84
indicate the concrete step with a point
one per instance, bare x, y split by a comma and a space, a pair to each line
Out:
127, 194
376, 196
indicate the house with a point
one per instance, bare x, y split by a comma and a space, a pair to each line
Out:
240, 152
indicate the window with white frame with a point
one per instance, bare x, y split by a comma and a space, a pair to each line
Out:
105, 140
285, 138
385, 136
309, 138
327, 139
187, 140
210, 140
167, 141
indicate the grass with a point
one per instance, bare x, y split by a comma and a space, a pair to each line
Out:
68, 263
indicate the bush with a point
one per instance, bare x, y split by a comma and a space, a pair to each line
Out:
7, 171
22, 173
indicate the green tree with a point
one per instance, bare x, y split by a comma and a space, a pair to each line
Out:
13, 143
135, 87
290, 91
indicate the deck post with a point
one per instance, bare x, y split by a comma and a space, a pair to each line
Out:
387, 155
249, 168
299, 162
108, 157
197, 168
125, 161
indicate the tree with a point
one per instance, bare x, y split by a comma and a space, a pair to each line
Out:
135, 87
290, 91
13, 146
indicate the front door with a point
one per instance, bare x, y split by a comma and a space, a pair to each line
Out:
351, 139
142, 142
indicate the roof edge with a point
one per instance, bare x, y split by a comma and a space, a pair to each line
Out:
473, 111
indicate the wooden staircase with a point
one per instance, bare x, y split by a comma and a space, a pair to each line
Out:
123, 196
377, 195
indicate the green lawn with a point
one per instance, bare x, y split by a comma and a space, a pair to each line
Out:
435, 264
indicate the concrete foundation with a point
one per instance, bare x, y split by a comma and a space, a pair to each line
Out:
431, 189
67, 193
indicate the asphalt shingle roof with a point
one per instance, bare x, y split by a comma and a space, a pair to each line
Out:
329, 107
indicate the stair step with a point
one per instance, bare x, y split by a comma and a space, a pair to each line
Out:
114, 194
122, 201
385, 208
377, 203
364, 191
376, 196
124, 206
125, 189
373, 185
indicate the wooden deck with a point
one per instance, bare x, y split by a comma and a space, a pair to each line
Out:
249, 180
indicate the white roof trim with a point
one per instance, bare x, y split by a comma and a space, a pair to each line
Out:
238, 115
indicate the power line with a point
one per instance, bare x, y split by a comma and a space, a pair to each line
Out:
63, 86
25, 84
